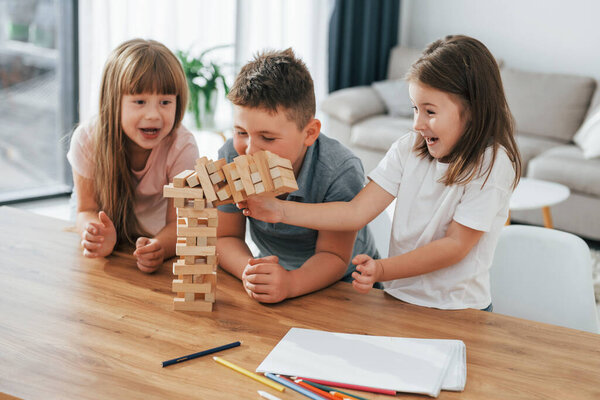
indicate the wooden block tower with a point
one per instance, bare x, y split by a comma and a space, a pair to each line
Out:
195, 194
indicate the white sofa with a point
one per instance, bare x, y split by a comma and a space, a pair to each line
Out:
548, 110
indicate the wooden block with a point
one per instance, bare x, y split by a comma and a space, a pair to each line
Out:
199, 204
284, 185
184, 193
180, 286
228, 169
181, 249
180, 178
192, 222
179, 202
243, 169
193, 180
209, 192
196, 306
220, 203
211, 241
262, 163
190, 212
211, 260
234, 173
276, 161
259, 188
255, 176
217, 177
224, 193
180, 268
214, 166
189, 260
277, 172
183, 230
239, 186
202, 241
213, 222
190, 241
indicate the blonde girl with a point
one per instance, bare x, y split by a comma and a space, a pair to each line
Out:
123, 157
452, 179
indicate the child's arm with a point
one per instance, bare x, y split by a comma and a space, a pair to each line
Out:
98, 234
231, 243
334, 216
268, 282
151, 252
441, 253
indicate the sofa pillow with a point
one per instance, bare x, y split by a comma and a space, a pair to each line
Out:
588, 136
394, 94
545, 104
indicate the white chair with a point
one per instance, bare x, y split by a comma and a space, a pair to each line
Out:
544, 275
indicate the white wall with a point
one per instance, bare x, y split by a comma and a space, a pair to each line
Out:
551, 35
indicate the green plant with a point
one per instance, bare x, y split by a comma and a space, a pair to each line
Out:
202, 78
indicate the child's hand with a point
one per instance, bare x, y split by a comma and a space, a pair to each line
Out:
150, 254
370, 270
98, 239
265, 280
264, 208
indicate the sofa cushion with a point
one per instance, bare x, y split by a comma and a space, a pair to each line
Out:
394, 94
379, 133
401, 58
352, 104
549, 105
566, 165
532, 146
588, 136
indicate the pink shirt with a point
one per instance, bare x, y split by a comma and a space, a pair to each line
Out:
177, 152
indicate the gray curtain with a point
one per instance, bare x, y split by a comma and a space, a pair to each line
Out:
361, 34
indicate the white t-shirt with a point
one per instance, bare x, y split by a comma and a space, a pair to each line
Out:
424, 209
175, 153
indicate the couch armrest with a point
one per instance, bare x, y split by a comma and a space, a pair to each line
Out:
353, 104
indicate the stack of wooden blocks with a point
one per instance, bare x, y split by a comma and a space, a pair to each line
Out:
195, 194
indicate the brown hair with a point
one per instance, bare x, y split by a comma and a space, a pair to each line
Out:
276, 79
136, 66
463, 66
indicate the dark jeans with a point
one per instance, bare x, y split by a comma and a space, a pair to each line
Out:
489, 308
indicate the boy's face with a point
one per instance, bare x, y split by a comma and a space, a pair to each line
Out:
257, 129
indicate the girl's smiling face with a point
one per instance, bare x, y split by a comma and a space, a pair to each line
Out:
439, 117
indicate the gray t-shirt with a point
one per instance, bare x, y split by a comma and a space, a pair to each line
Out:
330, 172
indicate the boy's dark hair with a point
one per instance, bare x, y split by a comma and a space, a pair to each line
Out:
275, 79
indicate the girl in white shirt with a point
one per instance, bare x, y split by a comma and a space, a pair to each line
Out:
452, 179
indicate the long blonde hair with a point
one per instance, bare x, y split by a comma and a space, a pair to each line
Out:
463, 66
136, 66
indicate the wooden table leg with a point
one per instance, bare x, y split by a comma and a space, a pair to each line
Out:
547, 217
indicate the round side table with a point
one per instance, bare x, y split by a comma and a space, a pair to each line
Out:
535, 193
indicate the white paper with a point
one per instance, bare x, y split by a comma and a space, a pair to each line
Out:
423, 366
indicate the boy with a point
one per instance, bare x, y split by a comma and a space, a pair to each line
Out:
273, 109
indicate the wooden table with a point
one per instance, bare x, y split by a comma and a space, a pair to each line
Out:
72, 327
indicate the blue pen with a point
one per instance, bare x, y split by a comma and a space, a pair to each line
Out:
200, 354
293, 386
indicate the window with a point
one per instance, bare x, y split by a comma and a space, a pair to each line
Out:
38, 96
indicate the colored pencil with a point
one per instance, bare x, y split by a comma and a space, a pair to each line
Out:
350, 386
344, 396
330, 389
293, 386
249, 374
318, 391
200, 354
267, 396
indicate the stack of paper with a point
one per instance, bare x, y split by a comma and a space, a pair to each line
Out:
423, 366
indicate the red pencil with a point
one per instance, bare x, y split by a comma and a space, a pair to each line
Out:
350, 386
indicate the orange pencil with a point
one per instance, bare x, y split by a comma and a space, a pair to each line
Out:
313, 389
343, 396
